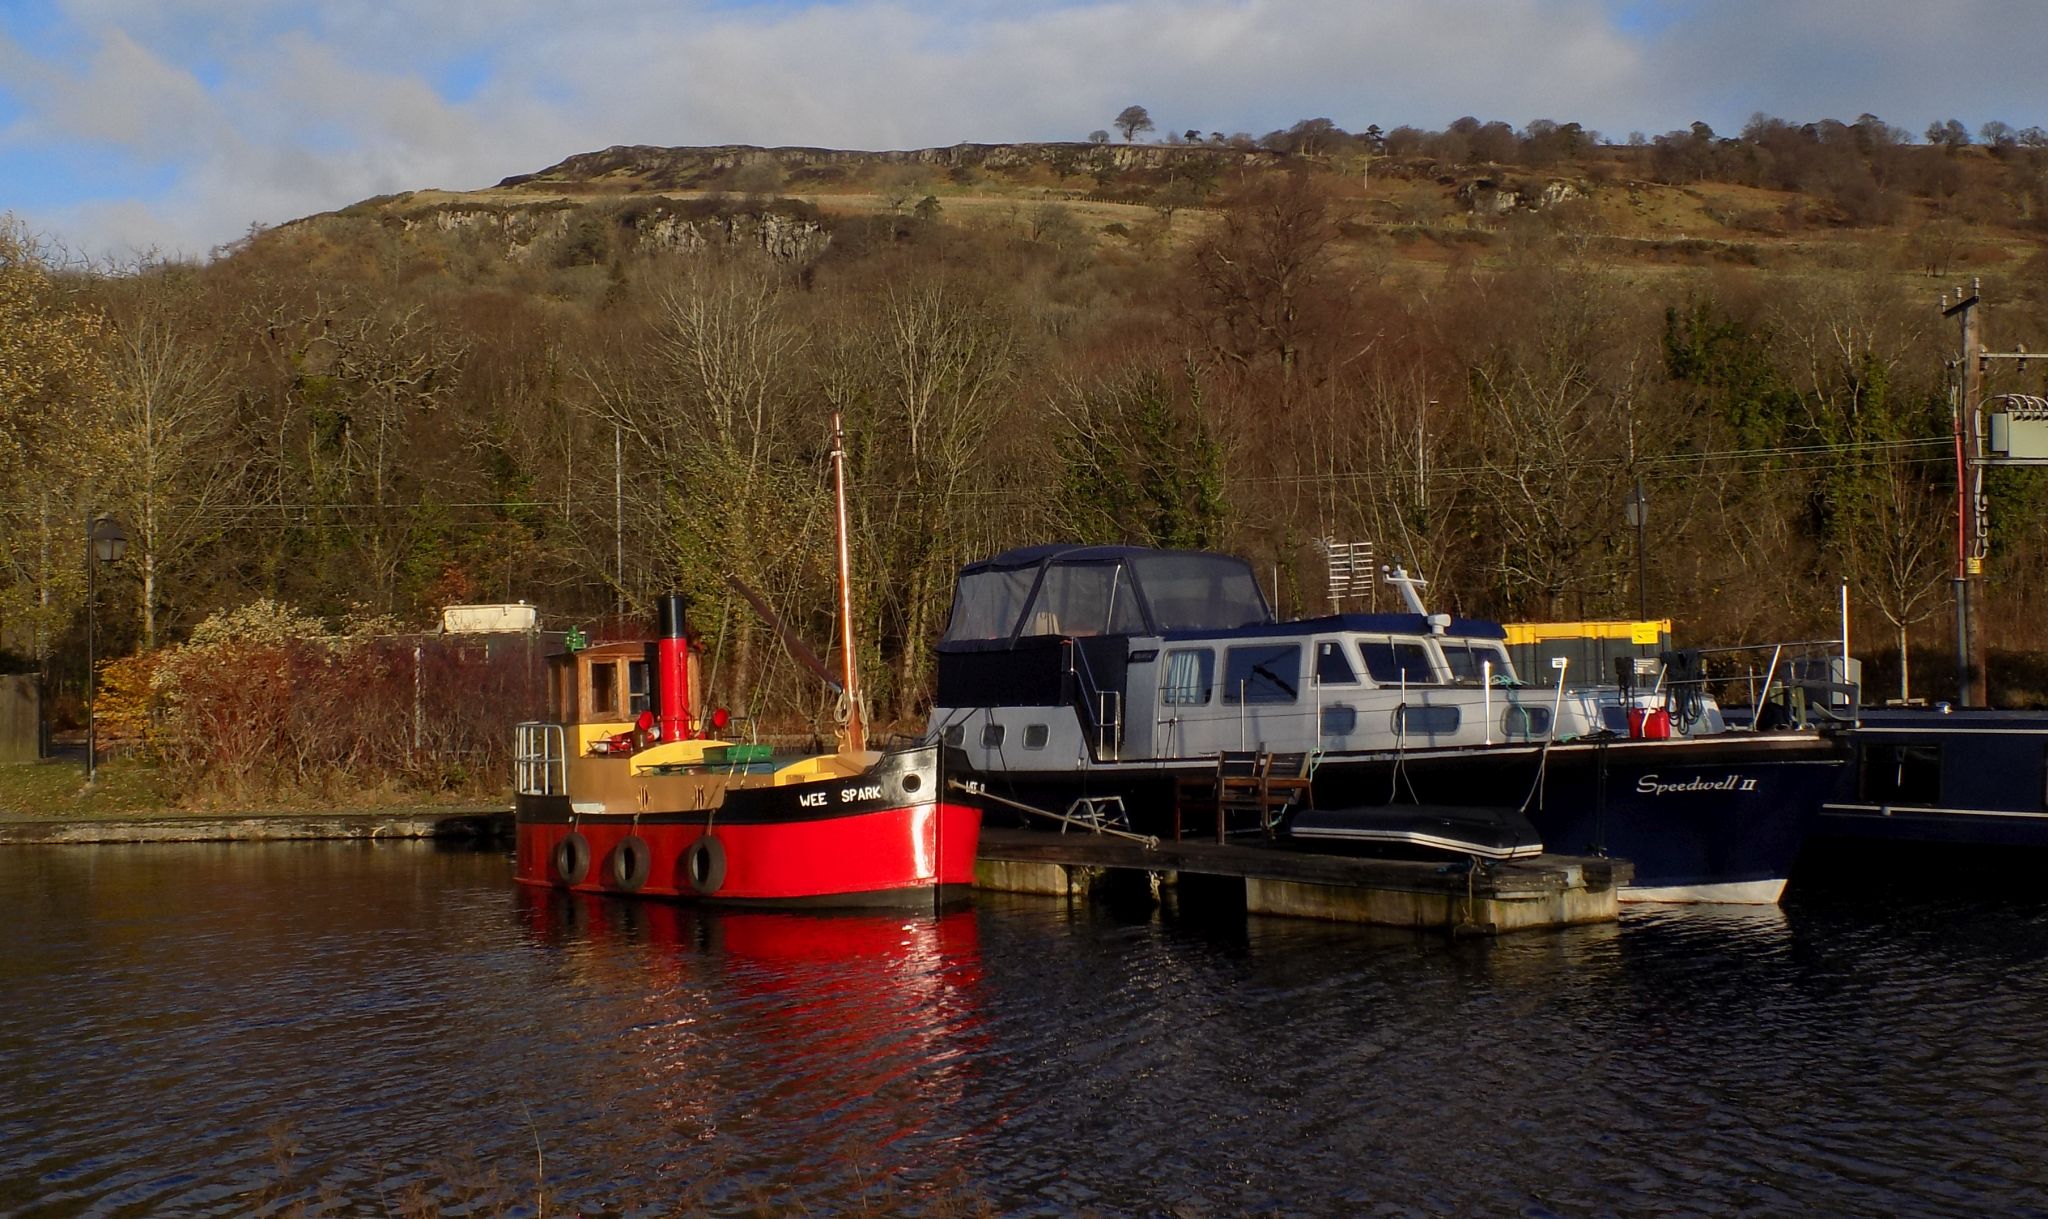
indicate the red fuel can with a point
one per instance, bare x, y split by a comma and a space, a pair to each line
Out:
1649, 724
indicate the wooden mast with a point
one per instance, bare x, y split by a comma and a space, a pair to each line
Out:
856, 725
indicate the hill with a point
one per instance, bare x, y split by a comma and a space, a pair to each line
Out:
1974, 209
609, 377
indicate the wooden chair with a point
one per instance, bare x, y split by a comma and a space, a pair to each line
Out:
1287, 783
1243, 794
1236, 774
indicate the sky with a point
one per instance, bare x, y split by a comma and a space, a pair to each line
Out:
171, 127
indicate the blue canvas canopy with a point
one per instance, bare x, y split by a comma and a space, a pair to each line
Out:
1102, 590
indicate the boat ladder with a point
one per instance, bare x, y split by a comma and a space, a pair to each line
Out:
539, 760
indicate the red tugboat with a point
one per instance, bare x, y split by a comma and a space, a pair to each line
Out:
651, 805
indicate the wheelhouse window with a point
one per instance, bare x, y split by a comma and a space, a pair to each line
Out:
1085, 599
1200, 592
1262, 673
1190, 675
604, 688
1333, 667
1468, 659
986, 604
1901, 774
1395, 662
636, 687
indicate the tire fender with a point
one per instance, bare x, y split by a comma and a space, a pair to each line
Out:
704, 865
630, 864
570, 860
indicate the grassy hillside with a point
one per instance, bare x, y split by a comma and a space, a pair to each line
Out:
1415, 211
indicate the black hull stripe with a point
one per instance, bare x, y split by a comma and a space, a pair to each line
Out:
560, 810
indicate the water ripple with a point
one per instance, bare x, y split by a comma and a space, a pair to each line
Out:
351, 1029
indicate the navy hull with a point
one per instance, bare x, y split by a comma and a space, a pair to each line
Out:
1922, 776
1714, 819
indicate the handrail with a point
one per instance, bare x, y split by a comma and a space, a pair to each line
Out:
539, 760
1108, 724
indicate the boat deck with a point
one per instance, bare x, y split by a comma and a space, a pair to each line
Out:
1547, 891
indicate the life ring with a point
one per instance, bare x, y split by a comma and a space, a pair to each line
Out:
704, 865
571, 859
630, 864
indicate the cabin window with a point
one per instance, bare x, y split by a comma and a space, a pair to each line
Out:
1190, 673
636, 687
987, 603
1333, 667
1395, 662
1262, 673
1526, 723
1199, 592
1339, 720
991, 736
604, 689
1426, 721
956, 734
1468, 660
1036, 735
1085, 599
1901, 774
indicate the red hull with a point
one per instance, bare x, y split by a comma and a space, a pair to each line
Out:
889, 856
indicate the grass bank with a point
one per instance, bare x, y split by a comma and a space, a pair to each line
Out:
128, 789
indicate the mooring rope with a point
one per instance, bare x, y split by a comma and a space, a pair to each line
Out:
1148, 841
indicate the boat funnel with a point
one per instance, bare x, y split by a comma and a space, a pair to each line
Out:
671, 670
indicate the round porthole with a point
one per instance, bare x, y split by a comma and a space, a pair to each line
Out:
911, 783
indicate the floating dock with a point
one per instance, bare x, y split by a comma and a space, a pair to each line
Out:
1255, 877
1456, 897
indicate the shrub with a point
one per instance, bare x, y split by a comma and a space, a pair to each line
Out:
263, 703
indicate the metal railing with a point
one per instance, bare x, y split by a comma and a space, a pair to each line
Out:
540, 760
1104, 708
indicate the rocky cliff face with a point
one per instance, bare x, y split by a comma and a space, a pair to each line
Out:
590, 232
647, 167
1490, 197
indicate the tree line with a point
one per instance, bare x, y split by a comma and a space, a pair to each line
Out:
1864, 172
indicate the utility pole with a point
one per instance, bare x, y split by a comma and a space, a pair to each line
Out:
1638, 513
619, 516
1972, 508
1970, 682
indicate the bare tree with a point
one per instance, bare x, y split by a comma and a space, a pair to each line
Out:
177, 466
361, 383
720, 478
1902, 565
931, 370
1261, 273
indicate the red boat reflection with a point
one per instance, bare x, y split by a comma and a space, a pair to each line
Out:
855, 1025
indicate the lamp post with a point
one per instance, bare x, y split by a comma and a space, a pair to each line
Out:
105, 543
1637, 508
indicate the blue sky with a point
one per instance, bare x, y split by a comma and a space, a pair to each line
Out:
173, 125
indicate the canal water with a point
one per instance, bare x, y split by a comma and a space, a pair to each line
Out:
352, 1029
